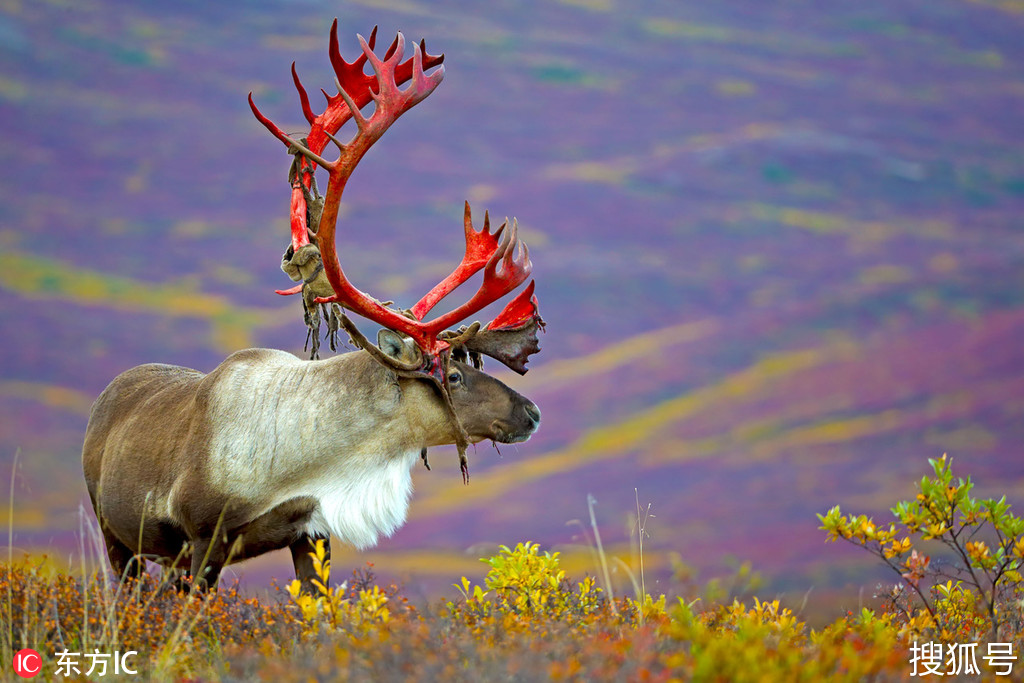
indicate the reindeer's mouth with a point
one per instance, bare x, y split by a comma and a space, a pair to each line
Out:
505, 435
506, 432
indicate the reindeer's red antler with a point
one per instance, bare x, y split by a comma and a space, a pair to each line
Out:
479, 248
505, 262
360, 88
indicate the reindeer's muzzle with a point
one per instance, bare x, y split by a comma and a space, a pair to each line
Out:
523, 423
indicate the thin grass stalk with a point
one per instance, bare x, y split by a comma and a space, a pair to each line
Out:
8, 649
591, 502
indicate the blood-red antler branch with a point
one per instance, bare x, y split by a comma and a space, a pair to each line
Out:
505, 261
479, 248
360, 88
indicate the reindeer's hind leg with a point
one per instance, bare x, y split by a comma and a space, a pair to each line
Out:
120, 555
175, 574
208, 556
122, 558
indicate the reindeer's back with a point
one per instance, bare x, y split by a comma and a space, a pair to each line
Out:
153, 414
135, 398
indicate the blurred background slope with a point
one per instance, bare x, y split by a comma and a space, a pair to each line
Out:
779, 247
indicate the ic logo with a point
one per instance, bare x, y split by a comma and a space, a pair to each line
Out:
27, 663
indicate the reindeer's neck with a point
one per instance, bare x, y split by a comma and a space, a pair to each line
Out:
281, 419
341, 430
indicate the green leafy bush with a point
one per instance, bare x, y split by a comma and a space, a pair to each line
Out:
978, 588
523, 582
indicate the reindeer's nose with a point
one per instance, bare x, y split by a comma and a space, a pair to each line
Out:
533, 411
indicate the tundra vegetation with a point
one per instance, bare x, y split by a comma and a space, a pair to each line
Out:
956, 564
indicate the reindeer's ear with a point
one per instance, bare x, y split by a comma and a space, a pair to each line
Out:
399, 347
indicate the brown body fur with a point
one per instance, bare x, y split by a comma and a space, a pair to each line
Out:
169, 452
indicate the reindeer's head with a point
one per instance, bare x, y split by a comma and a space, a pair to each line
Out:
486, 408
411, 347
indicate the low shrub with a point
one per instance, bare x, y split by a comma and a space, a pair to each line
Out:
529, 621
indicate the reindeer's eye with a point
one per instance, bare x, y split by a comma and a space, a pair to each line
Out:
454, 377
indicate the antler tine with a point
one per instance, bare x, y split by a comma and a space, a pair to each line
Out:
267, 123
397, 48
283, 137
514, 258
479, 248
517, 311
422, 85
353, 108
307, 111
341, 67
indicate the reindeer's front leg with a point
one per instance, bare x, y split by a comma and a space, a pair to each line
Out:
208, 557
302, 549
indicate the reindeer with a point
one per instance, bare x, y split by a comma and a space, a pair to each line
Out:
268, 451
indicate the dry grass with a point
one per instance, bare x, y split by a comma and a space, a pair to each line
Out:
527, 622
